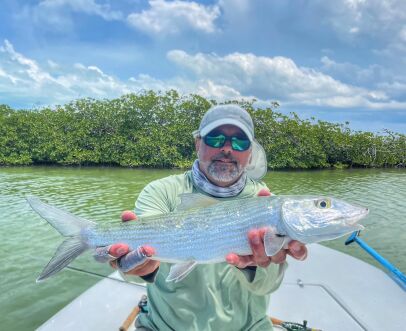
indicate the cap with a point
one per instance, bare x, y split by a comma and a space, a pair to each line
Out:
227, 114
235, 115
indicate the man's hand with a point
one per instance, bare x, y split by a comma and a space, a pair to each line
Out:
259, 258
131, 262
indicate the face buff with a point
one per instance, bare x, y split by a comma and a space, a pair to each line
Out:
205, 185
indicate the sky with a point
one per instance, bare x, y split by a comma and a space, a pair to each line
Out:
338, 61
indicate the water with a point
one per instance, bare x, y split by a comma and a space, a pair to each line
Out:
102, 193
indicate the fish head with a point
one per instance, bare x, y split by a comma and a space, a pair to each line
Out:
313, 219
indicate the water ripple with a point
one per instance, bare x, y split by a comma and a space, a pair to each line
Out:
101, 194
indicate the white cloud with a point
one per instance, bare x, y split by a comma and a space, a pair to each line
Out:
57, 15
359, 24
90, 7
396, 90
380, 19
30, 67
402, 34
204, 87
91, 81
354, 30
171, 17
211, 90
383, 81
52, 64
353, 73
273, 78
6, 76
32, 84
233, 76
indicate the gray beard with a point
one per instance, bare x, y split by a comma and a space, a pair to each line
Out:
224, 173
201, 181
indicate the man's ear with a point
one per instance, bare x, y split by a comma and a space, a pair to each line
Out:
197, 145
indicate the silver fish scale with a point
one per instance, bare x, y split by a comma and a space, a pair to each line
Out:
205, 235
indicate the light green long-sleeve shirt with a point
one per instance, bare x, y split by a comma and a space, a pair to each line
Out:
214, 296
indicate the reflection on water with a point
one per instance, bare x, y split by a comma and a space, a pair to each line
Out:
102, 193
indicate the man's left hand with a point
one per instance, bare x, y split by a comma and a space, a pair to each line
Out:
259, 258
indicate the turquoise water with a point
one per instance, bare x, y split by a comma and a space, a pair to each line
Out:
102, 193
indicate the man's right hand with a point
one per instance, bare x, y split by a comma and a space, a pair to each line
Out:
131, 262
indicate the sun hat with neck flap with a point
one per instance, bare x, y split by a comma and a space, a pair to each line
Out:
235, 115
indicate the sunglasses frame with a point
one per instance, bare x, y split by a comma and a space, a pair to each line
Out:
227, 138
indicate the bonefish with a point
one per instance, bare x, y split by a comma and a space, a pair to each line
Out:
204, 230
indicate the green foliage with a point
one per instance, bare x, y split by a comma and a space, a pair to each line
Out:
155, 130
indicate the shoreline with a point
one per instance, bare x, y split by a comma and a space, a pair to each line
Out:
115, 166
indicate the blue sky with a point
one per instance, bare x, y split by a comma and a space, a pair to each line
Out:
334, 60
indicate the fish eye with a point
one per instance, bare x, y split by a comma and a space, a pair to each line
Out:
323, 203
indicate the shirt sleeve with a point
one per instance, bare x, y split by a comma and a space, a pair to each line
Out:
153, 200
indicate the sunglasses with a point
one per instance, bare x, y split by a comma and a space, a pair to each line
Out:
219, 140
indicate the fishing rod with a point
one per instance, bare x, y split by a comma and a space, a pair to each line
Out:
95, 274
395, 273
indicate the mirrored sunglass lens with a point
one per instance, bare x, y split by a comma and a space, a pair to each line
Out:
240, 144
217, 141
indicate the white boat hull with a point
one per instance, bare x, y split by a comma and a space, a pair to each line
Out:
331, 290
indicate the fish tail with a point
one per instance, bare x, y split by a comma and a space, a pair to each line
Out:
67, 225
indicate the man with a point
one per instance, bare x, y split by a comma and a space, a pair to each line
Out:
222, 296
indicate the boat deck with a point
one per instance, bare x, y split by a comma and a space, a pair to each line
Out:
331, 290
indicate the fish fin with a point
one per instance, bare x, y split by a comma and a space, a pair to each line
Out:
272, 242
70, 249
195, 200
66, 223
180, 270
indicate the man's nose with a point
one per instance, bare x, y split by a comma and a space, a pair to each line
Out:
227, 147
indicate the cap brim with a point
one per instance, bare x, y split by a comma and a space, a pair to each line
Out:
225, 121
